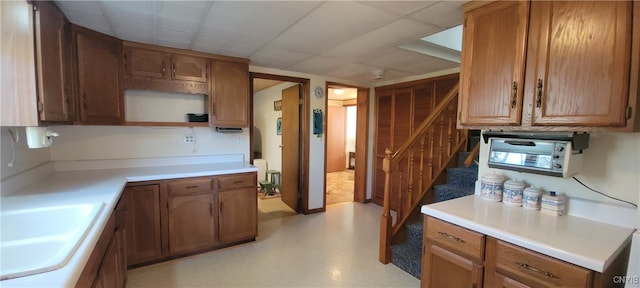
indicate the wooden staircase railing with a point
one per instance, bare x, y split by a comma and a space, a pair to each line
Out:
411, 171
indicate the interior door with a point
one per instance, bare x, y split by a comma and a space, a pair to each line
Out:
360, 173
289, 186
336, 140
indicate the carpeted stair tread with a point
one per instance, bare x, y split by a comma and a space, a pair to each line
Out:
414, 230
408, 256
462, 176
460, 182
447, 192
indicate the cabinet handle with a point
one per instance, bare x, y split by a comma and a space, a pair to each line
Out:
84, 100
536, 270
174, 70
211, 209
192, 186
539, 96
514, 95
163, 69
451, 237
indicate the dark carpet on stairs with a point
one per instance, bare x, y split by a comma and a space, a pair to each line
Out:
461, 180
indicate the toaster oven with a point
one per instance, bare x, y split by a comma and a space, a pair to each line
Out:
553, 154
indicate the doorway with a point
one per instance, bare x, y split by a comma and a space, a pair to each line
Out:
346, 142
279, 139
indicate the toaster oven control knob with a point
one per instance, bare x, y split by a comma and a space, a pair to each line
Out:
560, 148
556, 156
557, 166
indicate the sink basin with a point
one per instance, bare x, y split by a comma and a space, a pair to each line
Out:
42, 239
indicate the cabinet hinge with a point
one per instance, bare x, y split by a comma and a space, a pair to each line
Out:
629, 110
40, 107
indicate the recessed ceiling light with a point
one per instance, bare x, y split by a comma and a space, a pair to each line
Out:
338, 91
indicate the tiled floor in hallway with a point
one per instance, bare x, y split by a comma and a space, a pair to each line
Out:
338, 248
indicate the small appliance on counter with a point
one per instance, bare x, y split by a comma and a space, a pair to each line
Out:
39, 137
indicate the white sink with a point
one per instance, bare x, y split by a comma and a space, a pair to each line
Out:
42, 239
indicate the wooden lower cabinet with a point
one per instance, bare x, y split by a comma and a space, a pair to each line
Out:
172, 218
442, 268
237, 218
191, 223
450, 258
107, 265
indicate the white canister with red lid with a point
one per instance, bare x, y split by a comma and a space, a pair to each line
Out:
531, 198
512, 193
491, 186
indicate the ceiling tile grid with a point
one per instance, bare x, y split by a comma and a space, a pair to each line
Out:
340, 39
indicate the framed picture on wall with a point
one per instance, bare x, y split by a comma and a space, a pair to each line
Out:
277, 105
279, 126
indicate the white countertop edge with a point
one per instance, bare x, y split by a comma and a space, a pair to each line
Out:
589, 263
155, 177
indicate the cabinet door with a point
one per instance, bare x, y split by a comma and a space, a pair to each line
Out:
109, 274
142, 222
230, 94
99, 77
580, 56
238, 218
492, 68
53, 57
190, 68
147, 63
441, 268
191, 223
502, 281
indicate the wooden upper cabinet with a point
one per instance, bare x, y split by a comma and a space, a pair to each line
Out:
229, 94
493, 59
579, 57
150, 67
99, 76
53, 52
190, 68
581, 69
147, 63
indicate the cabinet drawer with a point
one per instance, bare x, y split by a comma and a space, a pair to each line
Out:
235, 181
538, 270
455, 238
188, 186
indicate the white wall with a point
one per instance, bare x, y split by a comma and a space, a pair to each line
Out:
611, 165
19, 154
155, 106
265, 138
79, 142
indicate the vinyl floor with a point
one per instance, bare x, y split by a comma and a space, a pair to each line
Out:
337, 248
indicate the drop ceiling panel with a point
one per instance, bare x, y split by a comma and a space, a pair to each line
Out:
277, 58
132, 11
431, 64
445, 14
398, 59
330, 24
401, 8
317, 65
364, 46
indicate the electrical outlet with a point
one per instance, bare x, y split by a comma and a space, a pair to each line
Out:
189, 139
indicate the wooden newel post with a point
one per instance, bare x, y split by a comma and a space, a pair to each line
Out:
385, 219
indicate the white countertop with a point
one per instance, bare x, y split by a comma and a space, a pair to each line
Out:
576, 240
99, 185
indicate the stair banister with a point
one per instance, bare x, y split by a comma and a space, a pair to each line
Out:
390, 164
